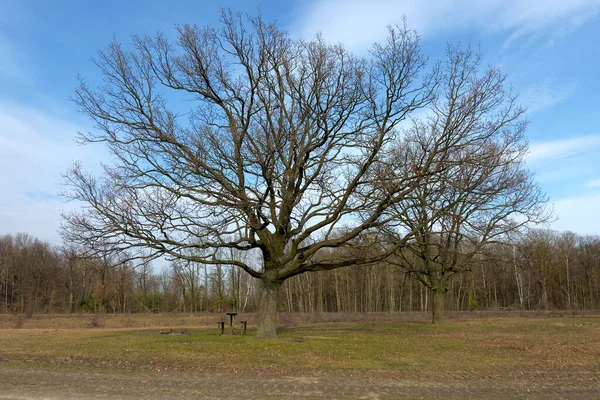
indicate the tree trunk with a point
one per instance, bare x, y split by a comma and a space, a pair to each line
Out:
267, 309
71, 296
410, 293
437, 306
568, 284
337, 292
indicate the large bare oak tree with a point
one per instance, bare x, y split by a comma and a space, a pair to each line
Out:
241, 137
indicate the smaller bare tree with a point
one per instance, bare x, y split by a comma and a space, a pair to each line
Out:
477, 190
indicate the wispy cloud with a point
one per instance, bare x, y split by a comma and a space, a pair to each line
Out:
545, 95
593, 183
566, 166
35, 150
579, 214
530, 17
10, 65
560, 149
358, 23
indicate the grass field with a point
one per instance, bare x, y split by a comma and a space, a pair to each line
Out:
477, 345
566, 348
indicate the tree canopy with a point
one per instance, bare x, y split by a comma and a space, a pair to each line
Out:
242, 138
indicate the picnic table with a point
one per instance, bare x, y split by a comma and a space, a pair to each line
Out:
231, 318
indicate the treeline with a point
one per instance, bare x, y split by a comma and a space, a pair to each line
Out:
542, 270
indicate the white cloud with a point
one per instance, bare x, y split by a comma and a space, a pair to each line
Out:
578, 148
565, 162
10, 67
565, 167
358, 23
593, 183
35, 150
545, 95
578, 214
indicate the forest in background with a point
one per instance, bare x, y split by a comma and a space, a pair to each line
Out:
543, 270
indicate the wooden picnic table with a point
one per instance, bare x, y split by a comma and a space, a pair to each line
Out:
231, 318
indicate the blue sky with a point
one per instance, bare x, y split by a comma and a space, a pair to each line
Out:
549, 49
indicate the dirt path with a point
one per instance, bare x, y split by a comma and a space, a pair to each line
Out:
29, 383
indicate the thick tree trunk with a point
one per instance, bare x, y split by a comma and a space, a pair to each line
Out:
267, 309
437, 306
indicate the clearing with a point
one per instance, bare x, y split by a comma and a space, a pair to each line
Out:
489, 358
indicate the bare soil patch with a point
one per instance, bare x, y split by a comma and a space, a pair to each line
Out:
34, 383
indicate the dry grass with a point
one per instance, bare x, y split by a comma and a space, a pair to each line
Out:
478, 345
109, 321
199, 320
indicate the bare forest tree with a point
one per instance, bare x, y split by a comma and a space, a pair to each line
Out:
30, 274
531, 273
481, 191
278, 154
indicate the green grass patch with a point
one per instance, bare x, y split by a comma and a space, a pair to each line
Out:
536, 344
